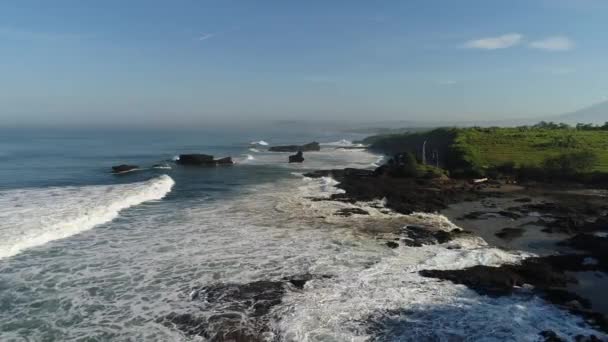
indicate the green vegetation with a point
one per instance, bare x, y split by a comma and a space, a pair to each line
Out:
544, 150
405, 165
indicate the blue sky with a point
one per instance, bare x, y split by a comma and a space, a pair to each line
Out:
125, 62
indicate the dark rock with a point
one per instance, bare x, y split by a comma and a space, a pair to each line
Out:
198, 159
595, 246
392, 244
297, 158
551, 336
509, 214
313, 146
239, 312
523, 200
543, 273
548, 275
416, 236
483, 279
225, 161
195, 159
510, 233
123, 168
300, 280
350, 211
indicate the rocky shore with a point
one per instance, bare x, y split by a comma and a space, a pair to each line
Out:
580, 223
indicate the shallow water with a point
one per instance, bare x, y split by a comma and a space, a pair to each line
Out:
113, 254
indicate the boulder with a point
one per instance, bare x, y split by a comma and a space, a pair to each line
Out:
123, 168
297, 158
313, 146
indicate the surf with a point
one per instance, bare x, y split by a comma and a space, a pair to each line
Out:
34, 217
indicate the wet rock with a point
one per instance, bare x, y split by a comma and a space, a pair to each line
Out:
224, 161
297, 158
350, 211
198, 159
392, 244
313, 146
510, 233
595, 246
195, 159
543, 273
300, 280
417, 236
124, 168
509, 214
523, 200
548, 276
235, 312
551, 336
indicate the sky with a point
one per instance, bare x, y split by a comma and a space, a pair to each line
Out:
199, 62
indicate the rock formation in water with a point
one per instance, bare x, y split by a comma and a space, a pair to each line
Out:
199, 159
123, 168
297, 158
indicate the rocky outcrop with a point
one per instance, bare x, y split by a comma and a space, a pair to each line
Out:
403, 195
124, 168
313, 146
417, 236
297, 158
350, 211
236, 312
198, 159
548, 276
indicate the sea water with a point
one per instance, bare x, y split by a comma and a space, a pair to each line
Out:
88, 255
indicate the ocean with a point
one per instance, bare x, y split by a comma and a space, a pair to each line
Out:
92, 256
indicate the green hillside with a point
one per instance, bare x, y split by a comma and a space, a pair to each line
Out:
479, 149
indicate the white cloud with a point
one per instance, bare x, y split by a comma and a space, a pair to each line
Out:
493, 43
556, 43
206, 36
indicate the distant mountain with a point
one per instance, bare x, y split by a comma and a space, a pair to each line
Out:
597, 114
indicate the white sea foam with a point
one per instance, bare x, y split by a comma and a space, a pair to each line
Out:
254, 150
33, 217
162, 167
342, 143
260, 143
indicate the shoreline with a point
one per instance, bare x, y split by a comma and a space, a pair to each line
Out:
554, 224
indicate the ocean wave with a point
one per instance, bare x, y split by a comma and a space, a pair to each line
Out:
342, 143
259, 143
33, 217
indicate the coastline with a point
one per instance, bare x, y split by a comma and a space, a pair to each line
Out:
491, 210
292, 258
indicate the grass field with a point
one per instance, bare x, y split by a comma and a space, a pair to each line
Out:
490, 147
531, 147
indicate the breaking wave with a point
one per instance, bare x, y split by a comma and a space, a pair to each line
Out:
259, 143
33, 217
